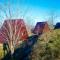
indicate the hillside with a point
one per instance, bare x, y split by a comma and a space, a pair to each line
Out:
47, 46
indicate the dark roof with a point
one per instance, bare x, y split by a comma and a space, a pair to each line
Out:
41, 24
39, 27
57, 26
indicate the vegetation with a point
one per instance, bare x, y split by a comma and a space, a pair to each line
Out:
1, 51
47, 46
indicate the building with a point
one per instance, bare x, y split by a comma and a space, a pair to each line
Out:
41, 27
57, 26
13, 29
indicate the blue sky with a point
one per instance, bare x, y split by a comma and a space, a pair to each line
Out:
31, 11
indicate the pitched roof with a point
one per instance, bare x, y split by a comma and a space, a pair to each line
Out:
40, 27
57, 26
40, 24
2, 37
20, 22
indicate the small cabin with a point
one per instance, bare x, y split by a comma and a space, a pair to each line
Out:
41, 27
57, 26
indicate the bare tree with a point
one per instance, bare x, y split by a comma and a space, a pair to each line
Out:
51, 19
9, 29
9, 32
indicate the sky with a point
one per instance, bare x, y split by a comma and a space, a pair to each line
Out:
32, 11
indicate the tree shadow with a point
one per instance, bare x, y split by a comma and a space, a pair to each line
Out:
23, 52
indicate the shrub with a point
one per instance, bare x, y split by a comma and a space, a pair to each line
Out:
47, 47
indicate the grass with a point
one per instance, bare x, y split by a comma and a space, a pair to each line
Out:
1, 51
47, 46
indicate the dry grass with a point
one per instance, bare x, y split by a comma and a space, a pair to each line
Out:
47, 46
1, 51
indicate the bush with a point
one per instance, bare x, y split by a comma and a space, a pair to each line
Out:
47, 47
